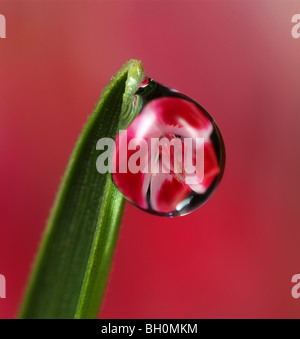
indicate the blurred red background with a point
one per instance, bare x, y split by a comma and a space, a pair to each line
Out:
235, 256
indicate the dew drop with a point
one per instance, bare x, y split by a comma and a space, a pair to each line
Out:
169, 157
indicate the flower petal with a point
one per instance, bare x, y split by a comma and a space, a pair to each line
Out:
167, 192
211, 170
178, 116
133, 185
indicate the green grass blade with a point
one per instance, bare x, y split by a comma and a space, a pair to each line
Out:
73, 262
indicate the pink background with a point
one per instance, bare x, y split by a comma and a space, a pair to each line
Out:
235, 256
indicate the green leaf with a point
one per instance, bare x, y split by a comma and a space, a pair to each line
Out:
73, 262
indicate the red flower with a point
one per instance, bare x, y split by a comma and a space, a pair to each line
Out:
161, 185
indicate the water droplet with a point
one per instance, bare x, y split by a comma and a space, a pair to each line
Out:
169, 156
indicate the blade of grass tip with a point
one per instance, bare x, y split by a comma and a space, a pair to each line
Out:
73, 262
